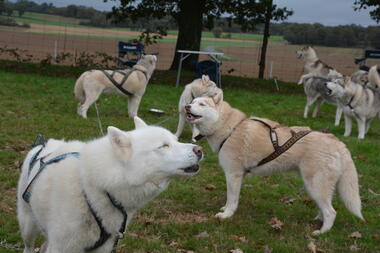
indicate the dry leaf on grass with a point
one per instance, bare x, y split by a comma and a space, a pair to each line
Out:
235, 251
354, 247
288, 201
267, 249
374, 193
312, 247
276, 224
173, 243
210, 187
203, 234
240, 238
356, 235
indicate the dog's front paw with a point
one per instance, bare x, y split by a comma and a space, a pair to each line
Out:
223, 215
223, 208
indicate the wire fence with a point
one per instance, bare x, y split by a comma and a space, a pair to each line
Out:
69, 43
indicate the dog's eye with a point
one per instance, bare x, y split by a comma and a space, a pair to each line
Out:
165, 145
202, 104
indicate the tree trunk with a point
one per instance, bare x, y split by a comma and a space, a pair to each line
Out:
189, 32
264, 46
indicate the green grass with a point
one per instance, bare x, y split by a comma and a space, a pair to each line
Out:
33, 103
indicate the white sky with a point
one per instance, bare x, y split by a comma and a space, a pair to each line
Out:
327, 12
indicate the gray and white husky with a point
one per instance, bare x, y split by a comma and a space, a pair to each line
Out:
359, 102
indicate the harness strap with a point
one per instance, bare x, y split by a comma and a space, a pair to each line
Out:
278, 150
27, 193
349, 103
222, 143
104, 235
125, 77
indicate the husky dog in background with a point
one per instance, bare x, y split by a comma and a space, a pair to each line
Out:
242, 143
313, 66
360, 77
82, 203
199, 87
316, 92
360, 103
92, 83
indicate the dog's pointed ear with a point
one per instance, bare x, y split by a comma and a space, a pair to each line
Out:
218, 97
118, 138
346, 81
139, 123
205, 79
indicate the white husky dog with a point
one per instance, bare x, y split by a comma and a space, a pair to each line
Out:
313, 66
199, 87
88, 192
245, 146
128, 82
360, 103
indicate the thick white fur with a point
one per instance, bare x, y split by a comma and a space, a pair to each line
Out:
133, 166
92, 83
199, 87
365, 102
321, 159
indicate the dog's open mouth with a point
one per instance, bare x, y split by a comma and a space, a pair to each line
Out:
192, 169
328, 91
190, 116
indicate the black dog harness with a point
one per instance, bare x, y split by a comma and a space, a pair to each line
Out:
278, 150
104, 235
125, 75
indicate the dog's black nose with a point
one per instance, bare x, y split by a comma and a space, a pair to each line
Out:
198, 151
187, 107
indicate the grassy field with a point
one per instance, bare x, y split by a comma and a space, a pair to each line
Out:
53, 20
181, 219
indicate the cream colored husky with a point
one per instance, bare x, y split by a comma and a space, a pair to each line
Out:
92, 83
199, 87
242, 143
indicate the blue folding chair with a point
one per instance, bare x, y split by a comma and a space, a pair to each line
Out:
129, 53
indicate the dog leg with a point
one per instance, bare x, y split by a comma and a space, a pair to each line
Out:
29, 231
347, 125
321, 191
316, 108
309, 102
234, 180
361, 128
338, 115
367, 125
91, 96
133, 105
181, 124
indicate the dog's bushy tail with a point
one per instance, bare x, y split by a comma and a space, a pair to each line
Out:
78, 89
373, 77
348, 188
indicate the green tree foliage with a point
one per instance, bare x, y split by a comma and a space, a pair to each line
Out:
364, 4
20, 6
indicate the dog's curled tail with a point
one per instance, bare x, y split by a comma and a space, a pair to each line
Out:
78, 89
348, 188
373, 77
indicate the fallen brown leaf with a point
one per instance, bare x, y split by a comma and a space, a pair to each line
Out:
276, 224
235, 251
203, 234
356, 235
311, 246
354, 247
240, 238
210, 187
267, 249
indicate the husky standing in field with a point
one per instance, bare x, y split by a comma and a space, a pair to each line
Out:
313, 66
316, 92
128, 82
199, 87
259, 146
81, 196
360, 103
